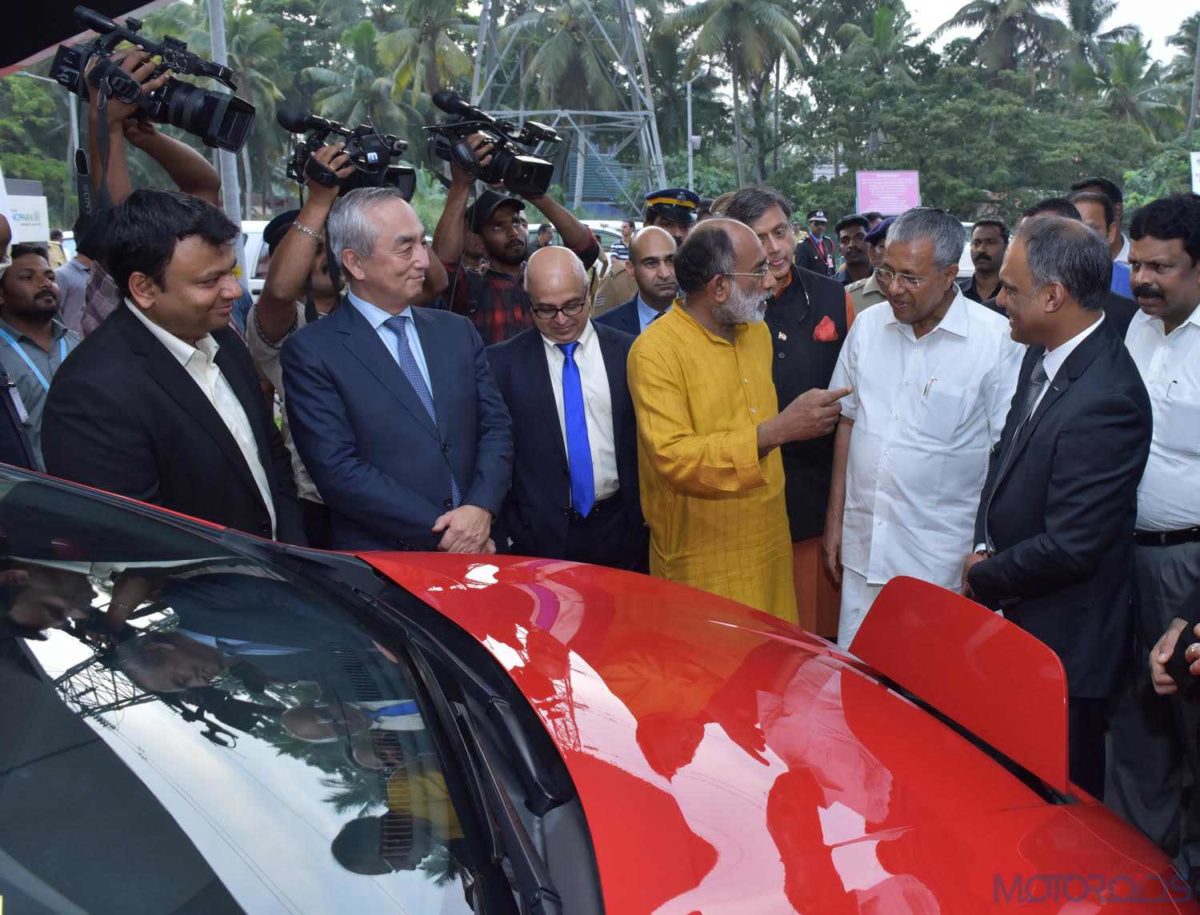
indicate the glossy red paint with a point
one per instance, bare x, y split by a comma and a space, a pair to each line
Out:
972, 681
729, 762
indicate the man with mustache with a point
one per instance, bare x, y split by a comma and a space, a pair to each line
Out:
33, 342
1154, 737
989, 241
709, 426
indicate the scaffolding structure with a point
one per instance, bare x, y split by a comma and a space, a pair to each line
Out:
599, 141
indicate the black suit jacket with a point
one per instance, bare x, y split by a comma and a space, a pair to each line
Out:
124, 416
1118, 312
1059, 511
624, 318
808, 258
535, 514
382, 465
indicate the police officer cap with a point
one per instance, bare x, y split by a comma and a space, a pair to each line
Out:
817, 216
677, 204
879, 233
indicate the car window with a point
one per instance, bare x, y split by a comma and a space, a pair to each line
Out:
188, 729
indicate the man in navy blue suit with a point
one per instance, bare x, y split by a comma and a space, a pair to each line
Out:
575, 478
652, 263
393, 408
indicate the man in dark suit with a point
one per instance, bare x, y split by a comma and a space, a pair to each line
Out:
162, 403
575, 479
1054, 534
393, 408
652, 265
1118, 309
815, 252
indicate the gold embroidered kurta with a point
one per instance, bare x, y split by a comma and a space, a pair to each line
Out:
716, 510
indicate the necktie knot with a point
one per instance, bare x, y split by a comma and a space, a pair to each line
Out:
398, 324
569, 350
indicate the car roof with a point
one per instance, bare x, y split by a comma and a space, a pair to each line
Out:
690, 717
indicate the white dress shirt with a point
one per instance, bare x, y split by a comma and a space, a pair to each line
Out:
1169, 497
377, 318
926, 414
597, 402
1053, 360
200, 363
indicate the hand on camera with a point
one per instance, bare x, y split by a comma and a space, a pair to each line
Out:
482, 147
140, 66
333, 160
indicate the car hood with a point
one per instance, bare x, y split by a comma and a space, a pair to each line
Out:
722, 755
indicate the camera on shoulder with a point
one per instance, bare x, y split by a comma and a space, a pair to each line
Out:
510, 165
372, 154
219, 119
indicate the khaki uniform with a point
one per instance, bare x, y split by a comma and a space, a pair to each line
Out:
865, 293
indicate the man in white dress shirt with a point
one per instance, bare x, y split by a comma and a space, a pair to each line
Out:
1154, 737
575, 486
932, 378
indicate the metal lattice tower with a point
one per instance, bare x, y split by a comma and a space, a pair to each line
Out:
600, 138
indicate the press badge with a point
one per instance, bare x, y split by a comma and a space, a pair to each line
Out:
18, 404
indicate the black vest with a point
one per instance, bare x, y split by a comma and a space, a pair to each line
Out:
806, 350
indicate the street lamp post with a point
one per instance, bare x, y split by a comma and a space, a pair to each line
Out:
690, 145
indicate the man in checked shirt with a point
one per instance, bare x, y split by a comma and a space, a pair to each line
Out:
494, 298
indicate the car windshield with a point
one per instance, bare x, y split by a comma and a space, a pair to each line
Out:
186, 728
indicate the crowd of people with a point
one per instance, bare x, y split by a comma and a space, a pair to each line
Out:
725, 399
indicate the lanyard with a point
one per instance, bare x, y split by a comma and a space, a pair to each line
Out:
37, 373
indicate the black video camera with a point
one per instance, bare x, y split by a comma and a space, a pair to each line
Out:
371, 153
522, 174
218, 119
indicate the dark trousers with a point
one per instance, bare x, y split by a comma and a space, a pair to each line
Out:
318, 524
1087, 720
1155, 763
608, 537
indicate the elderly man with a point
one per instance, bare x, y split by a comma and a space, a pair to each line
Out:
393, 409
933, 374
652, 265
575, 484
1054, 535
709, 428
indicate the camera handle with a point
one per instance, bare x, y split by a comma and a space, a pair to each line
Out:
317, 172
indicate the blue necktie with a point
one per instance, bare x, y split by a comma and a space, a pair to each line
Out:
579, 452
395, 710
397, 324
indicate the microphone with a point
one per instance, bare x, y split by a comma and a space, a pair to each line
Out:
295, 119
453, 103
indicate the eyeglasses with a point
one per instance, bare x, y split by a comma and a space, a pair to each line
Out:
759, 274
549, 314
886, 278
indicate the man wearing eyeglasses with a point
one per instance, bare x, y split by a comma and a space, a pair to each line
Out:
575, 477
933, 375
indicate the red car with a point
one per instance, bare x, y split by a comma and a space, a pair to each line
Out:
196, 720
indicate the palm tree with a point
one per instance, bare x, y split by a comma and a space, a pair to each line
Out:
747, 36
359, 89
882, 49
1135, 89
426, 54
1185, 68
1007, 30
1090, 41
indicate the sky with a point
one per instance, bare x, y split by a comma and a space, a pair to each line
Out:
1165, 17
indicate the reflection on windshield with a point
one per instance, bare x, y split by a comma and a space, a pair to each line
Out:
236, 706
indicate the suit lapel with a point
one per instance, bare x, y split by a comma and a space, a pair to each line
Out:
441, 378
174, 379
542, 393
246, 392
362, 341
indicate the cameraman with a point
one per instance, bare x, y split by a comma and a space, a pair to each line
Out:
495, 298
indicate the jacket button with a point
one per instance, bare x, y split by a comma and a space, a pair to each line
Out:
445, 449
447, 503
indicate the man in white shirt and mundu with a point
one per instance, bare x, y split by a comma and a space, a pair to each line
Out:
932, 377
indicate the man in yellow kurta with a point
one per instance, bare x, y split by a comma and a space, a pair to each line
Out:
709, 426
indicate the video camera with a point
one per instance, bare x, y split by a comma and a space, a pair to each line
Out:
522, 174
218, 119
371, 153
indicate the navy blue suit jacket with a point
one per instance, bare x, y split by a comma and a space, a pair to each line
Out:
623, 317
380, 463
535, 515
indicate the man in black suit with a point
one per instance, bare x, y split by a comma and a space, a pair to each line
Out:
815, 252
1054, 533
652, 265
162, 403
575, 478
1118, 309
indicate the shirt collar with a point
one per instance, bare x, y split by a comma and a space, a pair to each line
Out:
1156, 324
646, 314
584, 341
1053, 361
57, 330
375, 315
183, 351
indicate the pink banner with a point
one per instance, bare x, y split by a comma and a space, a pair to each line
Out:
889, 193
